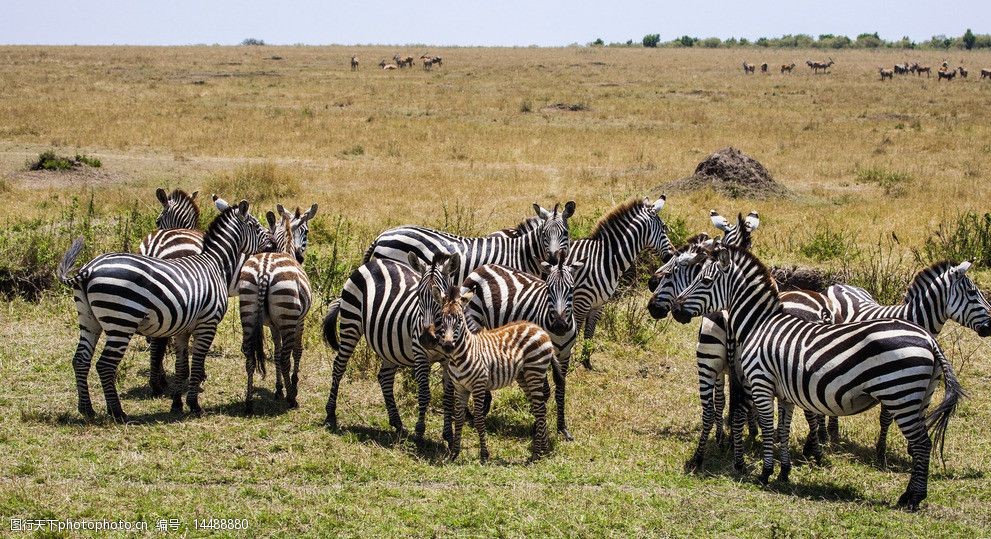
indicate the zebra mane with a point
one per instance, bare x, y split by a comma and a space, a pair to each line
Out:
525, 226
918, 282
615, 214
738, 253
180, 196
691, 242
209, 237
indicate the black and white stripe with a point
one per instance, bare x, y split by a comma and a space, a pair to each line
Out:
392, 305
833, 369
502, 295
127, 294
521, 249
609, 252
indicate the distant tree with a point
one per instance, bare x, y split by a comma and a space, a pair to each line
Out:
870, 41
686, 41
597, 43
824, 37
969, 39
940, 41
651, 40
731, 42
904, 43
803, 40
253, 42
840, 42
744, 42
763, 42
710, 43
629, 42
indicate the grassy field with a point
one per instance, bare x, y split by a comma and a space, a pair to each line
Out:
468, 147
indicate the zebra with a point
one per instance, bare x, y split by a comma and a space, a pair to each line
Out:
501, 295
608, 252
125, 294
177, 235
491, 359
941, 292
274, 291
391, 304
522, 251
834, 369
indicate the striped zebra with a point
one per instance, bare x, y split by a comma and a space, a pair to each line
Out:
608, 252
127, 294
939, 293
522, 249
390, 303
492, 359
177, 234
274, 291
832, 369
502, 295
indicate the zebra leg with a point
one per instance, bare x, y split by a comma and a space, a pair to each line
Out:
764, 403
785, 410
834, 430
249, 369
588, 334
718, 408
478, 399
284, 359
387, 378
881, 450
738, 410
460, 402
202, 340
449, 397
156, 373
181, 372
534, 385
912, 424
106, 368
350, 335
421, 372
708, 417
297, 353
559, 371
277, 342
812, 448
89, 334
822, 432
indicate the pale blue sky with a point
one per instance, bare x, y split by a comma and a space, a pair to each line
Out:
469, 22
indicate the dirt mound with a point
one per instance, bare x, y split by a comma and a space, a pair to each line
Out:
803, 278
735, 174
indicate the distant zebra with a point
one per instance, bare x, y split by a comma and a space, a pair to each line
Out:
835, 369
126, 294
177, 235
608, 252
274, 291
492, 359
502, 295
354, 63
523, 252
392, 305
938, 293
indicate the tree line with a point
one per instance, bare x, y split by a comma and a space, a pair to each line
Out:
969, 40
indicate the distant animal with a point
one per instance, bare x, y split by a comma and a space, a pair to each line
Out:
901, 69
919, 69
748, 68
786, 68
947, 74
385, 65
963, 72
763, 67
403, 61
435, 60
886, 73
428, 63
354, 63
986, 73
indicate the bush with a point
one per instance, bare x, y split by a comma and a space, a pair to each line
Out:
526, 106
598, 42
827, 244
49, 161
881, 271
968, 237
895, 184
710, 43
355, 150
651, 40
686, 41
253, 42
89, 161
261, 182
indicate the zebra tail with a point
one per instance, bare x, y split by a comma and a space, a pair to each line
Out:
330, 325
258, 327
368, 252
938, 421
69, 260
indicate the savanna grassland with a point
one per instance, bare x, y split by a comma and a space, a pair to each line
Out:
874, 170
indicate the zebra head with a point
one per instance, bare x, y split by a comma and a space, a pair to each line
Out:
300, 228
435, 277
737, 235
965, 304
709, 291
452, 324
179, 210
554, 234
676, 274
657, 231
560, 282
236, 226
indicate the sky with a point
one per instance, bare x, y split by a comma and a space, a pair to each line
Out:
470, 22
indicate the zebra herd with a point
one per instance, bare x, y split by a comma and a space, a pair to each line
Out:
511, 306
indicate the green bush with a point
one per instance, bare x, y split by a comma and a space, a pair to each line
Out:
651, 40
48, 160
260, 182
895, 184
89, 161
827, 244
968, 237
881, 271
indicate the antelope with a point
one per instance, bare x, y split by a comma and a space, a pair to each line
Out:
786, 68
748, 68
763, 67
384, 65
354, 63
403, 61
945, 74
428, 63
986, 74
963, 72
919, 69
886, 73
901, 69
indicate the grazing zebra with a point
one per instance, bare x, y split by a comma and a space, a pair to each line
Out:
502, 295
941, 292
274, 291
126, 294
608, 252
177, 235
522, 252
834, 369
492, 359
390, 303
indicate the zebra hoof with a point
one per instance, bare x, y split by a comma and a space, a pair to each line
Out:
278, 394
587, 363
910, 501
693, 464
453, 454
120, 418
87, 411
738, 467
566, 434
330, 422
194, 406
176, 405
765, 476
293, 404
783, 474
483, 456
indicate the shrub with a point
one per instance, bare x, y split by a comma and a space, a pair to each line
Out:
49, 161
710, 43
651, 40
89, 161
253, 42
526, 106
969, 39
881, 271
355, 150
827, 244
261, 182
598, 42
968, 237
895, 184
686, 41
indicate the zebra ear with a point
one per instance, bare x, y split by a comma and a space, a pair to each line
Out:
163, 197
221, 203
193, 195
242, 207
465, 297
541, 212
281, 210
659, 203
270, 217
415, 263
962, 267
569, 209
453, 264
310, 213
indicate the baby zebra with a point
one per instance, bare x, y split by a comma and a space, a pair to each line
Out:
126, 294
275, 292
833, 369
491, 359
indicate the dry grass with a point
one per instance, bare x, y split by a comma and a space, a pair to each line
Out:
458, 138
